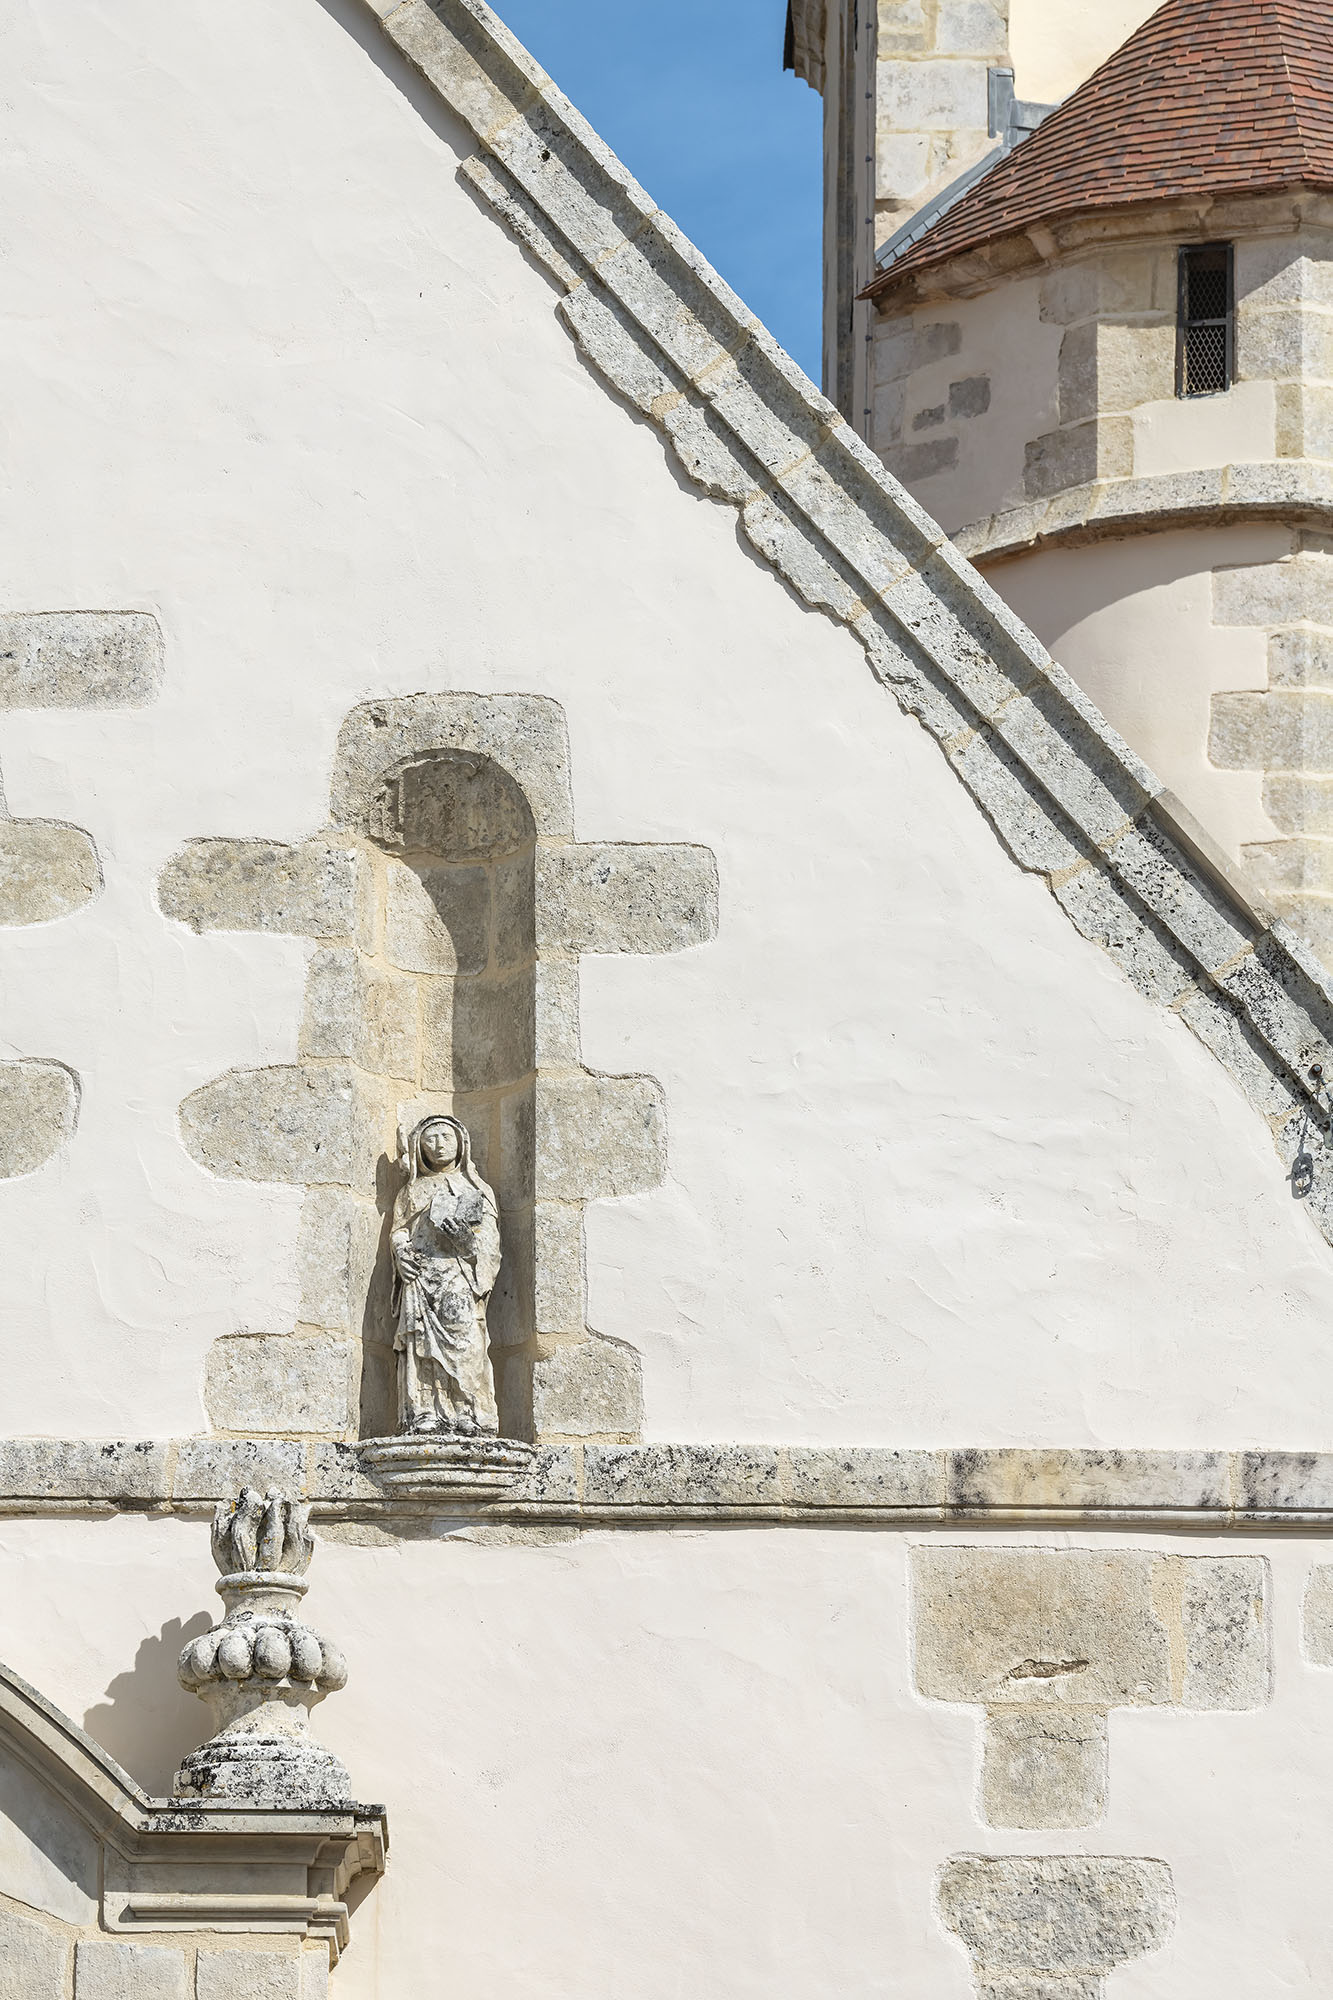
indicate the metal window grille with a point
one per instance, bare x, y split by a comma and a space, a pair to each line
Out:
1205, 343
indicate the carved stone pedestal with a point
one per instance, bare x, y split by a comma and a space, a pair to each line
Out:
262, 1670
438, 1466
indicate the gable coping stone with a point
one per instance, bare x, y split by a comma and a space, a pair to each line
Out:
1064, 792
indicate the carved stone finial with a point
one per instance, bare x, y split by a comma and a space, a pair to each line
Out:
262, 1670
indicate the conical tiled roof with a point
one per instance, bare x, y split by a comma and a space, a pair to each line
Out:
1208, 97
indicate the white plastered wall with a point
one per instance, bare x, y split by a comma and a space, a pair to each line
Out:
696, 1761
1055, 45
937, 1174
1132, 621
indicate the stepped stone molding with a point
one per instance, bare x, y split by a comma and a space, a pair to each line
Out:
449, 902
1052, 1926
1063, 791
606, 1484
1048, 1641
139, 1896
1099, 510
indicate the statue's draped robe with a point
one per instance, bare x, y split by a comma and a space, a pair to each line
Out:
446, 1380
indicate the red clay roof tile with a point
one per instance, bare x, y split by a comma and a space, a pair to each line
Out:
1207, 97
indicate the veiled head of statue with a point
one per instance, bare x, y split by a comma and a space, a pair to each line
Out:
437, 1144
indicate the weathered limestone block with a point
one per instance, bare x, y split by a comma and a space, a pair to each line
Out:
1282, 867
922, 461
1297, 590
437, 919
1299, 803
46, 870
491, 1038
1284, 729
558, 1302
259, 1975
932, 96
1099, 448
314, 890
707, 1475
113, 1971
1043, 1767
1037, 1633
355, 1011
39, 1108
557, 1042
1050, 1927
1293, 341
866, 1476
214, 1468
524, 733
1114, 365
598, 1136
277, 1382
588, 1388
1317, 1616
34, 1961
619, 897
79, 659
124, 1471
1112, 282
1301, 657
336, 1248
295, 1123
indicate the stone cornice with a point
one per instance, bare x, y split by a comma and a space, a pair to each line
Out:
1064, 792
1277, 489
667, 1485
166, 1866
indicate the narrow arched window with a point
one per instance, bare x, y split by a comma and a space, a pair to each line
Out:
1206, 322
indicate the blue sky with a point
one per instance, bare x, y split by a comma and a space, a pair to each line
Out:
691, 94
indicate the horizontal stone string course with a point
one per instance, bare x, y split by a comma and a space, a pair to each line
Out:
605, 1483
1062, 790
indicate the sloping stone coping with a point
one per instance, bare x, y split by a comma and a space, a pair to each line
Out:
668, 1484
155, 1865
1064, 792
1216, 497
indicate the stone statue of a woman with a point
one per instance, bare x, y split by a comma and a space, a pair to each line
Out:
446, 1255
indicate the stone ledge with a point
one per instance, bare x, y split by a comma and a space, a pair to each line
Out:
603, 1483
1282, 489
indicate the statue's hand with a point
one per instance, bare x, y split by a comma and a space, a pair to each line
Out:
409, 1263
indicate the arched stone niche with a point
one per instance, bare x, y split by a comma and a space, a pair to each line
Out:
454, 913
450, 902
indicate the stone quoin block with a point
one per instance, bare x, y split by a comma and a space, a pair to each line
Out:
598, 1136
79, 659
255, 1383
46, 870
294, 1123
1280, 729
1029, 1632
114, 1971
315, 889
618, 897
39, 1108
356, 1011
336, 1246
588, 1388
1317, 1616
1050, 1927
437, 919
34, 1961
1043, 1767
254, 1975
